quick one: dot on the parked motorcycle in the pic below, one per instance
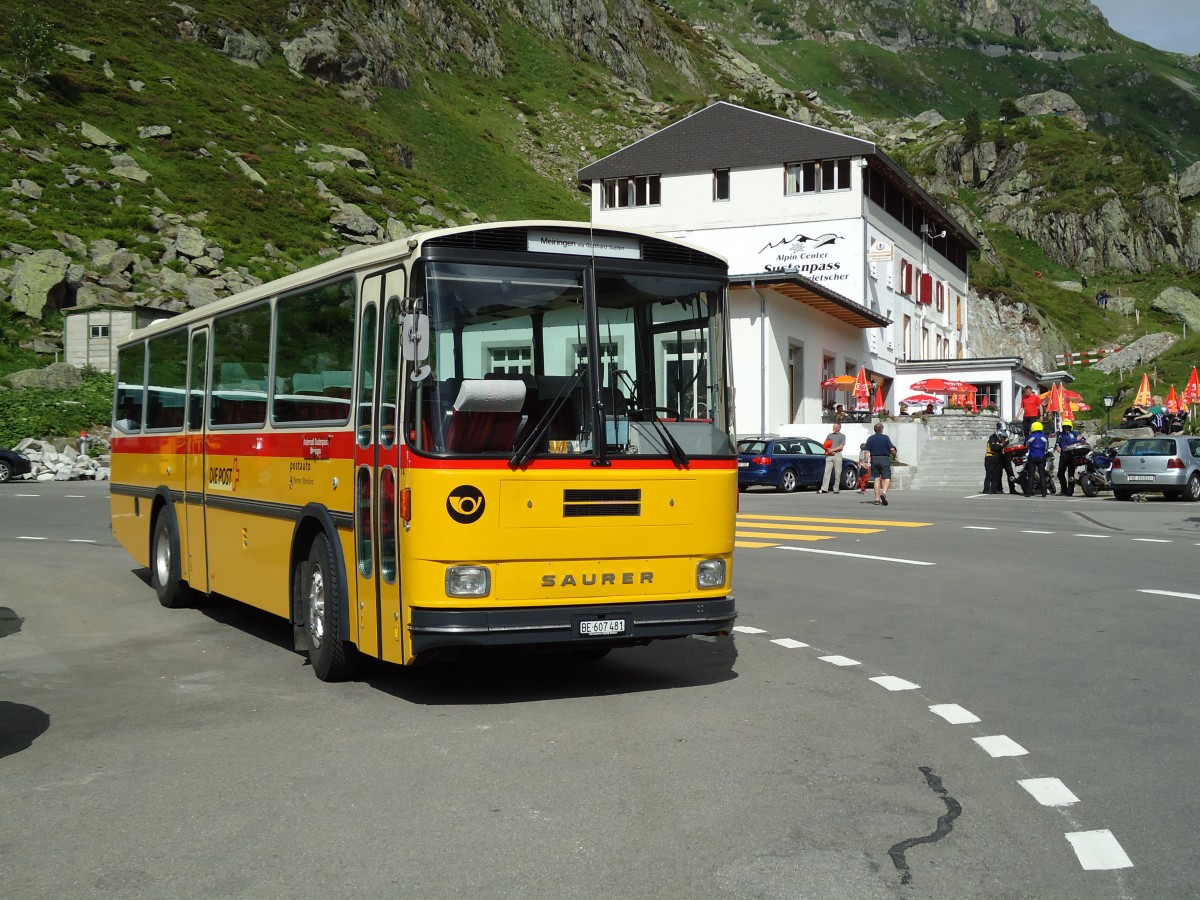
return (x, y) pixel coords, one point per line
(1096, 476)
(1019, 456)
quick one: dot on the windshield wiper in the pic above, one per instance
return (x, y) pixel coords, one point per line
(672, 446)
(521, 456)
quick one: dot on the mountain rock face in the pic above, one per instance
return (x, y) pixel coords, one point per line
(363, 50)
(1000, 328)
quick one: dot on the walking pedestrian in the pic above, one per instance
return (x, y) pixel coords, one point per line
(835, 443)
(881, 451)
(1031, 408)
(1035, 465)
(864, 468)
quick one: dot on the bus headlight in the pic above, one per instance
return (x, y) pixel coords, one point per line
(468, 581)
(710, 573)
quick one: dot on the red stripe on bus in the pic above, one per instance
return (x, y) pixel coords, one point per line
(340, 445)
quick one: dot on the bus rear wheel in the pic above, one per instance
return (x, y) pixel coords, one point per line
(321, 600)
(164, 563)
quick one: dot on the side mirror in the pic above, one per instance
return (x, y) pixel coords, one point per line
(415, 339)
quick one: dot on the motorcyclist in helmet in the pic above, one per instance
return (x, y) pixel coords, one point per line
(1067, 437)
(1035, 466)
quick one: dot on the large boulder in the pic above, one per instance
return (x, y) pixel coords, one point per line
(56, 376)
(1189, 182)
(1054, 103)
(39, 278)
(1181, 305)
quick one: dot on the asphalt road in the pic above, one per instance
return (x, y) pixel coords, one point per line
(190, 753)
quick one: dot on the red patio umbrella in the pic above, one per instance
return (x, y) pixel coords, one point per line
(1064, 393)
(944, 386)
(923, 400)
(1142, 398)
(879, 405)
(1172, 401)
(1191, 393)
(1055, 401)
(862, 390)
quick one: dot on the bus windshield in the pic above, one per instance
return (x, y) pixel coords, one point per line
(597, 362)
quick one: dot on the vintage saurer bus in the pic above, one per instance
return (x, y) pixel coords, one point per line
(502, 434)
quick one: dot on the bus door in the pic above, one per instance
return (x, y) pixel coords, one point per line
(194, 562)
(380, 626)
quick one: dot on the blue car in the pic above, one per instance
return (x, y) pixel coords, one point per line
(787, 463)
(13, 464)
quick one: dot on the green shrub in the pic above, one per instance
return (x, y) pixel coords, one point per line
(44, 414)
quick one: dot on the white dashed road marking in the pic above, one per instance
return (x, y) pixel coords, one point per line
(954, 714)
(1170, 594)
(1095, 850)
(892, 683)
(1049, 791)
(1152, 540)
(26, 537)
(1102, 536)
(1098, 850)
(1037, 532)
(979, 528)
(1000, 745)
(907, 562)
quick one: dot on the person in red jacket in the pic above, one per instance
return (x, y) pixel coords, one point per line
(1031, 408)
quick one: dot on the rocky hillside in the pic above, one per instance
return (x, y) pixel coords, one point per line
(169, 154)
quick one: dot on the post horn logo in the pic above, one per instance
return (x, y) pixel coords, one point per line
(465, 504)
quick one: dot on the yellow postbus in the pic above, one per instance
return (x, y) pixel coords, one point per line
(502, 434)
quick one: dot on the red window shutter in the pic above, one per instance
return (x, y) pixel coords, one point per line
(926, 295)
(906, 273)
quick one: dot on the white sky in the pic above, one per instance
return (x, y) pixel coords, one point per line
(1164, 24)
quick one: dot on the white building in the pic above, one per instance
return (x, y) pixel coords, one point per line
(91, 333)
(839, 260)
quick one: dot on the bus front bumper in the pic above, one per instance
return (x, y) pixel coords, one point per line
(612, 625)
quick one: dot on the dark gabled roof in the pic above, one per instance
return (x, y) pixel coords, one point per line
(724, 136)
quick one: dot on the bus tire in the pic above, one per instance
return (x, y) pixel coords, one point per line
(164, 562)
(321, 604)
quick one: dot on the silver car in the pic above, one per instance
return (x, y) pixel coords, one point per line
(1163, 464)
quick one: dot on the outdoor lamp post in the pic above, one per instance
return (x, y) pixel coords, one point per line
(1109, 400)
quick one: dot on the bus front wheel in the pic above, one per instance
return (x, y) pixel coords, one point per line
(331, 658)
(164, 563)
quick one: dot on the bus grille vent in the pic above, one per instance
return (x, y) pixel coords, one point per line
(591, 503)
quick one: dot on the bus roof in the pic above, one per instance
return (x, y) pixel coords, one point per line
(382, 255)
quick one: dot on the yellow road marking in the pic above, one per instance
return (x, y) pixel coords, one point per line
(753, 544)
(746, 517)
(837, 529)
(784, 535)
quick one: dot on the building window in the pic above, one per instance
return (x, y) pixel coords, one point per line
(99, 331)
(817, 175)
(720, 184)
(639, 190)
(510, 360)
